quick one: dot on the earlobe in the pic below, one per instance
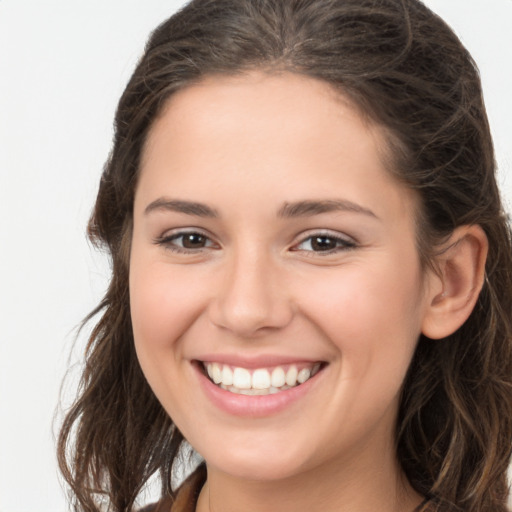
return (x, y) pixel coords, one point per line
(455, 289)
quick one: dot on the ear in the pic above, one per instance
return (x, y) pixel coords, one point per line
(454, 290)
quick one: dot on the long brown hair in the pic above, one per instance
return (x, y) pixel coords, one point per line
(405, 70)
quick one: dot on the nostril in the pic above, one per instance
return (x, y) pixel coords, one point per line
(250, 298)
(246, 320)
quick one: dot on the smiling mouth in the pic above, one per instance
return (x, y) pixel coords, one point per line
(259, 381)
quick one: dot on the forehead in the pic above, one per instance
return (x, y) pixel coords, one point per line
(220, 101)
(282, 132)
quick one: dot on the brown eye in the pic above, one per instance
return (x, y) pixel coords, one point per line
(323, 243)
(186, 242)
(193, 241)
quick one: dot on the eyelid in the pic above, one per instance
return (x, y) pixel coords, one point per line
(347, 242)
(344, 242)
(169, 236)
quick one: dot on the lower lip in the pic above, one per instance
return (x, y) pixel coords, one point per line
(256, 405)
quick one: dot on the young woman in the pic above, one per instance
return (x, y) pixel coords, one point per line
(311, 270)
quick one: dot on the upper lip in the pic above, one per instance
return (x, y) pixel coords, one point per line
(259, 361)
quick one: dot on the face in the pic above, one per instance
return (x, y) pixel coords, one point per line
(276, 290)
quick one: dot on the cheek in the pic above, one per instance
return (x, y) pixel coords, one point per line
(372, 313)
(372, 316)
(163, 303)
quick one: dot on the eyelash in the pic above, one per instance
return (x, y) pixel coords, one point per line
(341, 244)
(169, 242)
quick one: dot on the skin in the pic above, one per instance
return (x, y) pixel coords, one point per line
(245, 146)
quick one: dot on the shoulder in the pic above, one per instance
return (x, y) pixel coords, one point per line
(186, 496)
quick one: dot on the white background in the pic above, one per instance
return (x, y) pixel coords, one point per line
(63, 66)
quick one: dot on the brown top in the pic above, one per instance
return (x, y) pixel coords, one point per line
(188, 493)
(186, 497)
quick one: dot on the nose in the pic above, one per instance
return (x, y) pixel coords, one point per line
(251, 299)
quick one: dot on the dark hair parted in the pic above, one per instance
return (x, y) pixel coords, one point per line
(405, 70)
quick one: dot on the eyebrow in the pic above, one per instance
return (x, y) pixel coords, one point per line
(310, 208)
(288, 210)
(176, 205)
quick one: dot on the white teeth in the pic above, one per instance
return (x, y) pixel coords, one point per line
(254, 392)
(227, 376)
(241, 378)
(216, 373)
(278, 377)
(291, 375)
(261, 381)
(303, 375)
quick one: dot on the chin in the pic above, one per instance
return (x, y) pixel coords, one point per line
(257, 463)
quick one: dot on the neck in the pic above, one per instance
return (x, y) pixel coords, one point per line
(363, 484)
